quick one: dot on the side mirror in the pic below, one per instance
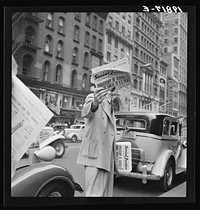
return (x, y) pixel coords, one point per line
(47, 153)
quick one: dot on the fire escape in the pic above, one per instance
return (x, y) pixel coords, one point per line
(24, 39)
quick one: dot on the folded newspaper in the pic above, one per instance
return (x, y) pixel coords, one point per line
(116, 74)
(124, 156)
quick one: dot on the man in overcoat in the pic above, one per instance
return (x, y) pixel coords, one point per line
(97, 151)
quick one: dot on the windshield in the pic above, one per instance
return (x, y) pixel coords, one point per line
(76, 127)
(138, 124)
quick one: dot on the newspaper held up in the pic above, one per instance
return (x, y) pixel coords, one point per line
(116, 74)
(124, 156)
(29, 116)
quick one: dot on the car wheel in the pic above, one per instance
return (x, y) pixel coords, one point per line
(56, 189)
(74, 138)
(59, 146)
(168, 178)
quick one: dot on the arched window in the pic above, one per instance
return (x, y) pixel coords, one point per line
(116, 105)
(27, 64)
(46, 70)
(61, 25)
(75, 55)
(60, 48)
(48, 44)
(86, 60)
(74, 79)
(58, 74)
(49, 21)
(84, 81)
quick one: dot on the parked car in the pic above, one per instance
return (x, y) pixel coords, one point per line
(35, 177)
(75, 132)
(59, 128)
(48, 137)
(158, 151)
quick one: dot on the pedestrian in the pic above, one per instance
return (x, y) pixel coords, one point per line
(97, 151)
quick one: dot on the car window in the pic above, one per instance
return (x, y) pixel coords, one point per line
(139, 124)
(75, 126)
(166, 127)
(174, 128)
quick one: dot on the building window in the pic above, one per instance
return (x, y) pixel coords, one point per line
(124, 15)
(165, 40)
(75, 55)
(93, 42)
(74, 79)
(27, 65)
(175, 49)
(101, 27)
(46, 70)
(58, 74)
(59, 49)
(117, 25)
(115, 58)
(49, 21)
(129, 19)
(116, 43)
(61, 25)
(87, 39)
(88, 19)
(123, 30)
(175, 39)
(77, 16)
(176, 21)
(76, 33)
(135, 83)
(110, 20)
(48, 44)
(109, 39)
(165, 49)
(94, 23)
(175, 30)
(100, 45)
(84, 81)
(86, 60)
(166, 32)
(122, 47)
(109, 56)
(128, 34)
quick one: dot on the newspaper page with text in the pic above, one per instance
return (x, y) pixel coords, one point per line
(29, 116)
(115, 74)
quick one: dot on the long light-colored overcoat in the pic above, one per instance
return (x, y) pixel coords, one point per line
(99, 135)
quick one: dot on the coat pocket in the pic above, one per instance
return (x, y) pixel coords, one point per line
(93, 148)
(90, 148)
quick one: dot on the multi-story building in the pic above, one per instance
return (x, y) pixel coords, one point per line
(119, 44)
(54, 53)
(175, 41)
(145, 61)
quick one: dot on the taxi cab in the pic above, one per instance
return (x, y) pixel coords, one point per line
(157, 149)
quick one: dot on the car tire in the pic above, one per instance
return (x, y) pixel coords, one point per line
(74, 138)
(168, 177)
(59, 146)
(56, 189)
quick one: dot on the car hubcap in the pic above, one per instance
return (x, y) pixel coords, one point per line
(59, 149)
(169, 176)
(55, 194)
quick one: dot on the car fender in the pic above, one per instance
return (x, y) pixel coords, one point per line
(28, 181)
(50, 140)
(71, 134)
(159, 166)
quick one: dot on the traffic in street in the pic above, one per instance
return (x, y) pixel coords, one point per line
(123, 186)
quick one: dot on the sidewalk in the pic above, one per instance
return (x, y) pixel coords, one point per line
(178, 191)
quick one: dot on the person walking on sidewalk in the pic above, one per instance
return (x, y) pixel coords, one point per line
(97, 151)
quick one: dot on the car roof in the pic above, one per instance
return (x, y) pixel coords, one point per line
(144, 113)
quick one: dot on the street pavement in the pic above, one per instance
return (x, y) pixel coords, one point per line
(178, 191)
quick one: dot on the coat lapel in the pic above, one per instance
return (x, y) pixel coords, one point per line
(106, 107)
